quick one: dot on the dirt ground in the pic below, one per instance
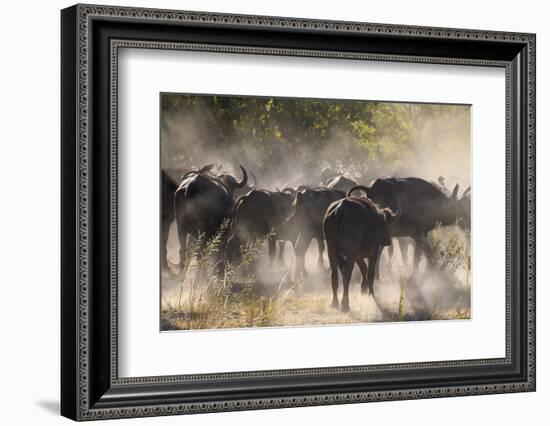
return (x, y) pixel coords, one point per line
(279, 298)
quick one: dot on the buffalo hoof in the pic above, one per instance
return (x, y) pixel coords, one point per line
(365, 290)
(335, 304)
(345, 307)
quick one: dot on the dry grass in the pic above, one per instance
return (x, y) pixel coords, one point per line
(254, 293)
(206, 300)
(449, 248)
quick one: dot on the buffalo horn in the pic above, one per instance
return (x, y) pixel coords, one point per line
(255, 184)
(356, 188)
(454, 195)
(244, 180)
(290, 190)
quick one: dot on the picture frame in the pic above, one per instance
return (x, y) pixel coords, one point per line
(91, 37)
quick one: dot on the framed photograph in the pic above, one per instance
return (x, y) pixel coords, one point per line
(263, 212)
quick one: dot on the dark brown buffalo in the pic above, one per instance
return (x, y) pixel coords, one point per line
(355, 230)
(259, 213)
(305, 222)
(421, 205)
(202, 203)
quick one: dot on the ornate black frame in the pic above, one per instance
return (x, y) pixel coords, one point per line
(91, 37)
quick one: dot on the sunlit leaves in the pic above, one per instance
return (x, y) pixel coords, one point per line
(346, 131)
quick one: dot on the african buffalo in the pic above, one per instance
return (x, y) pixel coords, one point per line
(202, 203)
(355, 230)
(305, 221)
(421, 205)
(259, 213)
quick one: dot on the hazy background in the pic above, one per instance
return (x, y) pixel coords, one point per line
(281, 138)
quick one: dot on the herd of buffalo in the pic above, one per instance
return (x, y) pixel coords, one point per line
(354, 221)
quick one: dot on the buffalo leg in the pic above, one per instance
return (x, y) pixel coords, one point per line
(332, 258)
(376, 268)
(282, 251)
(421, 244)
(334, 284)
(321, 246)
(220, 256)
(425, 247)
(347, 268)
(271, 248)
(164, 242)
(416, 260)
(364, 270)
(300, 251)
(373, 259)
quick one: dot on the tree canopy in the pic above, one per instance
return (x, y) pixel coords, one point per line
(273, 132)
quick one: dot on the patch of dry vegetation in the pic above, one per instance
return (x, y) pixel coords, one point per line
(207, 300)
(237, 298)
(449, 248)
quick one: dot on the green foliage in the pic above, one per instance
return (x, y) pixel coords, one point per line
(385, 132)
